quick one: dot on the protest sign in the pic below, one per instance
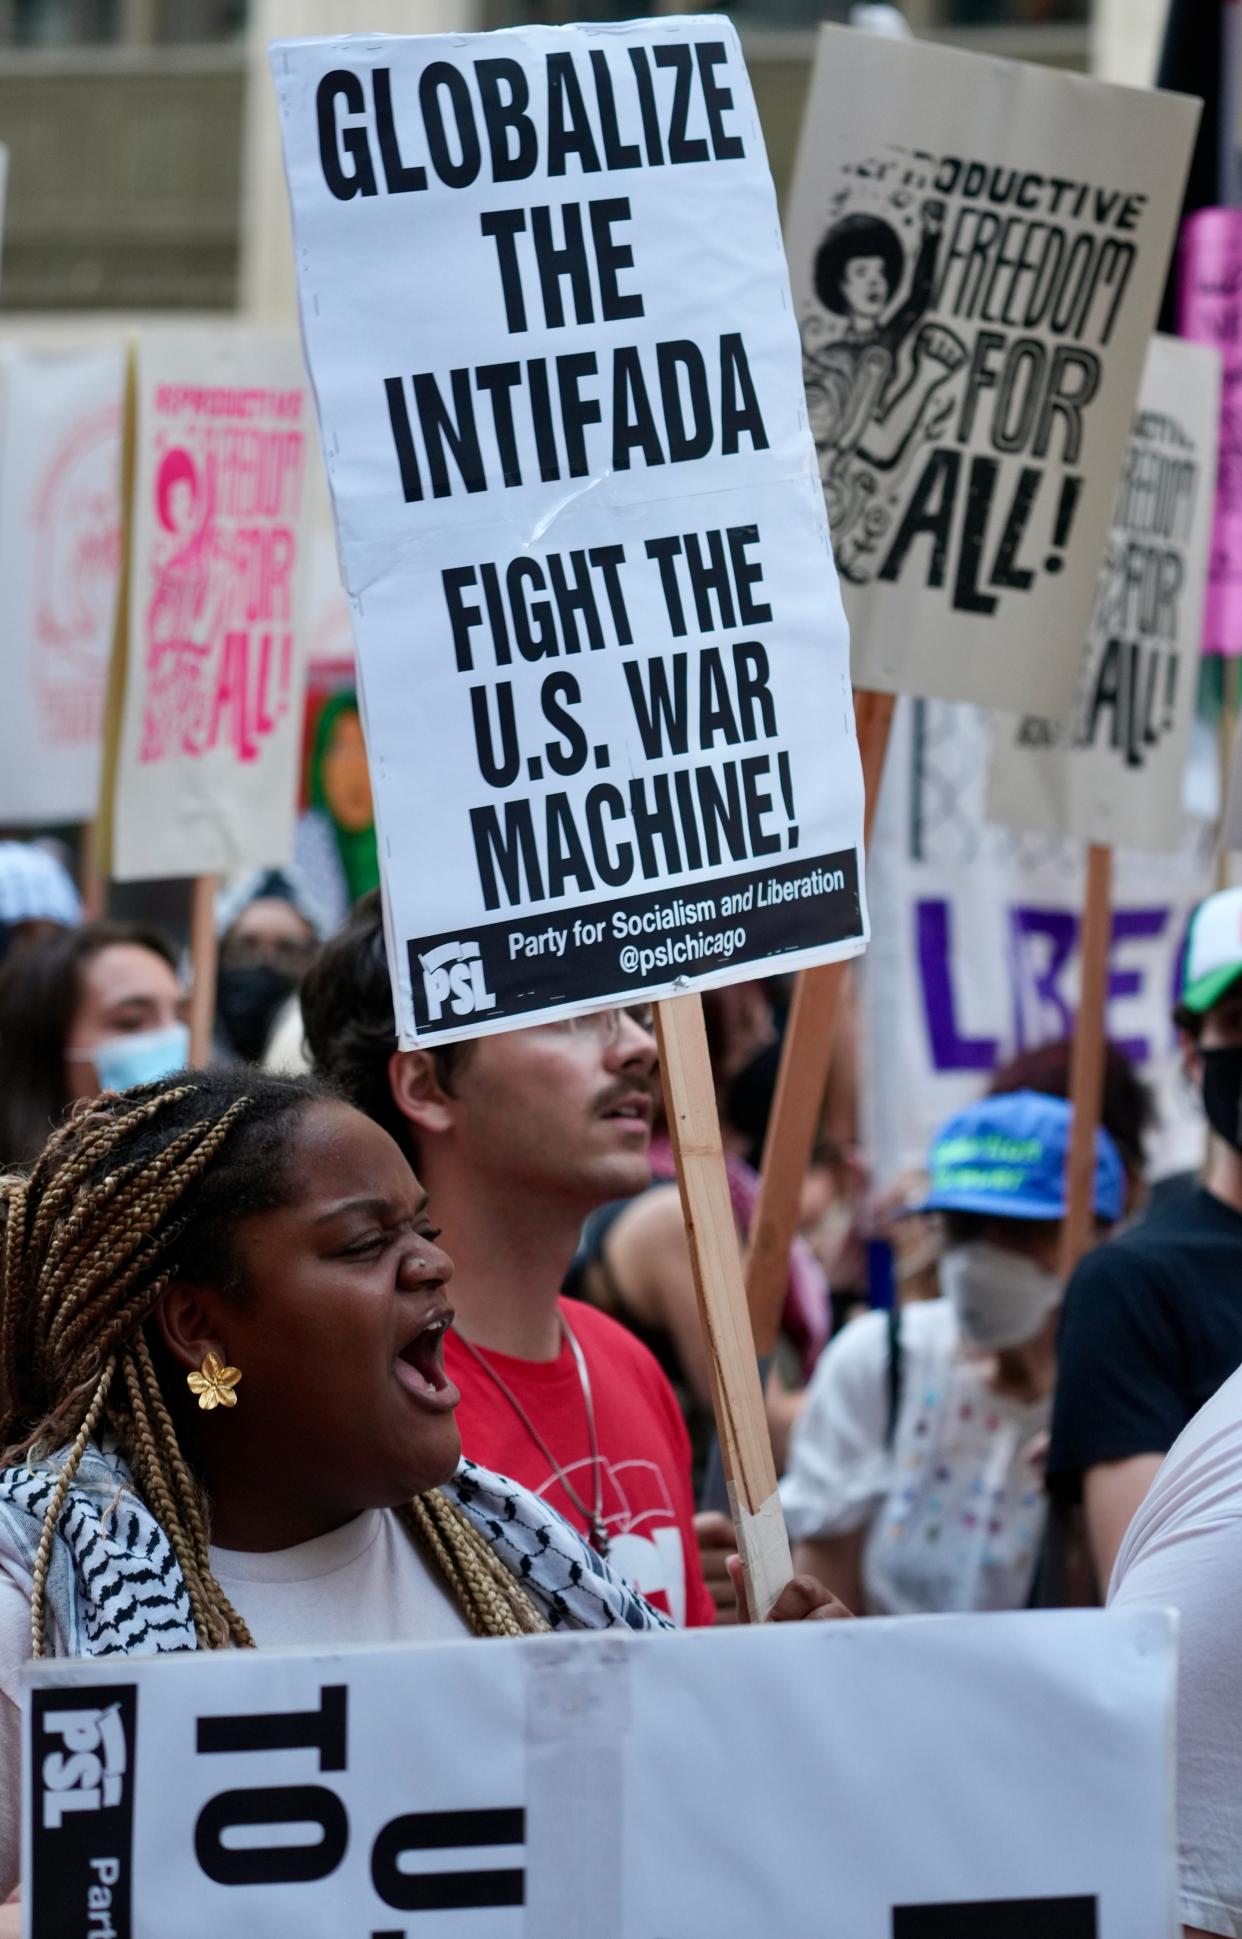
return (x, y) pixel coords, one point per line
(1210, 272)
(201, 770)
(517, 1788)
(60, 546)
(977, 250)
(977, 947)
(1114, 774)
(601, 648)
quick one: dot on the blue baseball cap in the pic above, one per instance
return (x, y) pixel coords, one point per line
(1006, 1157)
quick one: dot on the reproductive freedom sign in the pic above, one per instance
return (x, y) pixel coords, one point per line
(601, 647)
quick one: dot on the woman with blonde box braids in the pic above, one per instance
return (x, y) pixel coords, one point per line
(224, 1414)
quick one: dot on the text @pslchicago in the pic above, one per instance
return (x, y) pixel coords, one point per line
(639, 944)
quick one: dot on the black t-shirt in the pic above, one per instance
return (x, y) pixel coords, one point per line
(1151, 1327)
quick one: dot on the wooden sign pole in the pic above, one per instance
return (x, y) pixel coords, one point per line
(1087, 1063)
(204, 955)
(741, 1420)
(806, 1057)
(1230, 687)
(94, 885)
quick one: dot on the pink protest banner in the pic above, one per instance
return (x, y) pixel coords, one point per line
(60, 545)
(1210, 276)
(202, 778)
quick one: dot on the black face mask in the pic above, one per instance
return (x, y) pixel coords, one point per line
(247, 999)
(1222, 1092)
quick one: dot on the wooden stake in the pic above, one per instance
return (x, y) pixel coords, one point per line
(1087, 1063)
(741, 1420)
(806, 1059)
(1230, 681)
(203, 958)
(94, 886)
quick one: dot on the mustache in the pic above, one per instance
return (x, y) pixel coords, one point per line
(636, 1086)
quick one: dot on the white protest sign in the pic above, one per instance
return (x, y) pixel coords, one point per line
(977, 249)
(60, 557)
(1115, 773)
(207, 756)
(522, 1788)
(977, 947)
(601, 648)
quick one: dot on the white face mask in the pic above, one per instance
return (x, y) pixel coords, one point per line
(1001, 1299)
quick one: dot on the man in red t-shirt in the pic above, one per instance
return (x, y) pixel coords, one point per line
(516, 1137)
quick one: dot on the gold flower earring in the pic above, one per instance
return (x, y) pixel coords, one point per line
(214, 1385)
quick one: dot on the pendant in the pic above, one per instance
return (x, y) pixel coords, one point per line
(598, 1536)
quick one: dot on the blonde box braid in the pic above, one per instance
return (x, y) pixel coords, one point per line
(89, 1246)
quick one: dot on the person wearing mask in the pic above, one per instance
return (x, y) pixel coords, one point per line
(1153, 1321)
(269, 932)
(1183, 1551)
(915, 1477)
(173, 1477)
(97, 1008)
(517, 1136)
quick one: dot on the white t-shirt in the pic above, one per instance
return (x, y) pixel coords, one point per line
(1183, 1550)
(364, 1583)
(955, 1508)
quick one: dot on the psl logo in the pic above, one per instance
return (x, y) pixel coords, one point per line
(453, 974)
(88, 1774)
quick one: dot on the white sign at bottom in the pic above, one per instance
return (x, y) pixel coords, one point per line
(981, 1777)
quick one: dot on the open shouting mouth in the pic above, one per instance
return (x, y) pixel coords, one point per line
(419, 1365)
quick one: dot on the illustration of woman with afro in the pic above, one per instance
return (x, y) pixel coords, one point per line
(866, 402)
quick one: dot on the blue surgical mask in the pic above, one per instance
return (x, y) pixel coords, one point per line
(141, 1057)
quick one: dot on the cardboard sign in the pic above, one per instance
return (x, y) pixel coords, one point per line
(601, 648)
(203, 768)
(1114, 774)
(60, 559)
(551, 1787)
(977, 250)
(978, 947)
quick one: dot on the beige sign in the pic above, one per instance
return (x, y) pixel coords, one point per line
(1114, 774)
(207, 733)
(977, 249)
(60, 547)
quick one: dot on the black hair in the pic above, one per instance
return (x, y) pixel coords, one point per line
(1127, 1108)
(960, 1228)
(40, 990)
(851, 237)
(349, 1026)
(250, 1175)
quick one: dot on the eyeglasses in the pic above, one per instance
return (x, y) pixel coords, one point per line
(606, 1025)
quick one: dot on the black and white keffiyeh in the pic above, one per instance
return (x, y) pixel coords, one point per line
(114, 1587)
(572, 1586)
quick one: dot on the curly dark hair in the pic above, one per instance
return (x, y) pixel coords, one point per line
(851, 237)
(348, 1021)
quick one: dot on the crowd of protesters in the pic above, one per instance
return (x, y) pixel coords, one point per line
(478, 1254)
